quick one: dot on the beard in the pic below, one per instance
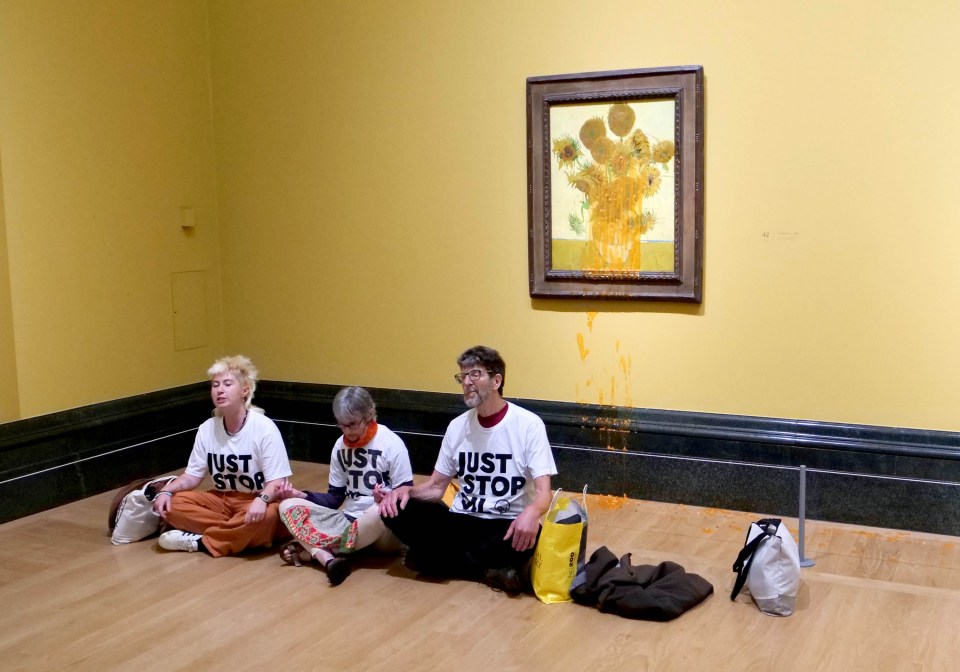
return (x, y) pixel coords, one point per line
(472, 399)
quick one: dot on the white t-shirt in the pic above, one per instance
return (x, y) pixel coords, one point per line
(496, 466)
(242, 463)
(384, 460)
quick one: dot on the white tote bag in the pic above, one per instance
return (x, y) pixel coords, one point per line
(769, 565)
(135, 518)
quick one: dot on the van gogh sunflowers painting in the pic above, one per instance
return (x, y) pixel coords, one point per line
(613, 186)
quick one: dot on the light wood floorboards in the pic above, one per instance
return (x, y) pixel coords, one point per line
(876, 600)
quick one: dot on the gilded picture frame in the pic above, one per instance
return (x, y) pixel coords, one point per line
(615, 184)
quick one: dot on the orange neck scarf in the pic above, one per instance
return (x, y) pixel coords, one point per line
(363, 440)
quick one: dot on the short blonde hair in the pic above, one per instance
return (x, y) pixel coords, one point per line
(242, 369)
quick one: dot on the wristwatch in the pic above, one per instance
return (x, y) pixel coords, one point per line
(264, 498)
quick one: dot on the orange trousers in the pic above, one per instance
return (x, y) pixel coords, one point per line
(218, 516)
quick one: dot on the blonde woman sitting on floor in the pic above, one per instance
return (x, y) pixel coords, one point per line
(243, 453)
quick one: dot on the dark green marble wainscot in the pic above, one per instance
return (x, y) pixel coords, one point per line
(59, 458)
(878, 476)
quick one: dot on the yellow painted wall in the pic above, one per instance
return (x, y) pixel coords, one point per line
(9, 394)
(105, 133)
(360, 168)
(372, 173)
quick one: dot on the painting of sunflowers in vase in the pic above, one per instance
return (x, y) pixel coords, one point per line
(613, 176)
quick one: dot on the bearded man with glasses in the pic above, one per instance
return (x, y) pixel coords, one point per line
(500, 456)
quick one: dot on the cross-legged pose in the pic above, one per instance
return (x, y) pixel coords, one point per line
(500, 455)
(367, 458)
(243, 453)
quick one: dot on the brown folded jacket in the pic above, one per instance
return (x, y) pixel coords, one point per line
(647, 592)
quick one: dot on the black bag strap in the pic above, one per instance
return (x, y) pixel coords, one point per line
(744, 561)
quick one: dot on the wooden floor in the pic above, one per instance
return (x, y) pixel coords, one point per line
(876, 600)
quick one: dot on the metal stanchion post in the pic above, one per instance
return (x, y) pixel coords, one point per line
(804, 562)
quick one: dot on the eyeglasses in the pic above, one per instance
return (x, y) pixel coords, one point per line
(476, 374)
(351, 425)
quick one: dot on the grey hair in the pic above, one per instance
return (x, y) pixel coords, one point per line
(488, 358)
(352, 402)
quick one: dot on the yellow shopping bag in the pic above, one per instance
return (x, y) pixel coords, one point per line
(561, 549)
(450, 493)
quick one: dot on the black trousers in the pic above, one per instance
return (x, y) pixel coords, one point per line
(455, 545)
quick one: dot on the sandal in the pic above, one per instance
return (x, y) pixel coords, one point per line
(294, 554)
(338, 570)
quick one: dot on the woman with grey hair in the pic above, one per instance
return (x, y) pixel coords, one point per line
(366, 459)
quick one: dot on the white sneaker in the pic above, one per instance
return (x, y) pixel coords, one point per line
(178, 540)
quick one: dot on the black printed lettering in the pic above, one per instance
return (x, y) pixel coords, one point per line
(466, 484)
(374, 455)
(500, 485)
(494, 462)
(467, 462)
(517, 484)
(482, 482)
(486, 463)
(229, 472)
(371, 479)
(474, 504)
